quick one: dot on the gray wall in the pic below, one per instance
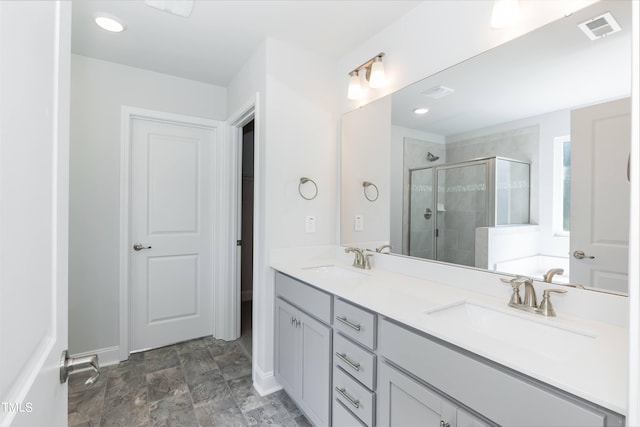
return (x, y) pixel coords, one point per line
(98, 91)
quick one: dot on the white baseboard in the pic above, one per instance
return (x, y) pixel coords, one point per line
(264, 383)
(106, 356)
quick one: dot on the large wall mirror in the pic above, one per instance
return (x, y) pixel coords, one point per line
(519, 165)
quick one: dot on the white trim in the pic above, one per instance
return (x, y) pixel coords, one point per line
(126, 115)
(250, 110)
(558, 187)
(633, 410)
(265, 383)
(226, 318)
(106, 356)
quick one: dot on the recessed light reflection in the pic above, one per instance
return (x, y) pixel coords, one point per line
(421, 110)
(109, 24)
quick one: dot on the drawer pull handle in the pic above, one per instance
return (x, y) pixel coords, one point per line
(343, 357)
(343, 393)
(346, 322)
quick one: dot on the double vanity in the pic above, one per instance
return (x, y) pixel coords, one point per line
(357, 347)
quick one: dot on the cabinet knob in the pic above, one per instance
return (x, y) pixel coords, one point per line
(443, 424)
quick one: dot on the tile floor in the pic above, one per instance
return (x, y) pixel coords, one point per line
(202, 382)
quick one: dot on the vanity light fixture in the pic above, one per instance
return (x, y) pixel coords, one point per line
(505, 13)
(355, 88)
(374, 73)
(109, 23)
(421, 110)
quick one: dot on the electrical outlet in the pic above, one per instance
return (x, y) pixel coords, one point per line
(310, 224)
(358, 223)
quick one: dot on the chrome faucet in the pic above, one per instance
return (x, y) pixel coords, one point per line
(379, 249)
(530, 303)
(548, 276)
(361, 260)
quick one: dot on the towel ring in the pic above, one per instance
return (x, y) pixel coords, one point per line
(367, 184)
(304, 180)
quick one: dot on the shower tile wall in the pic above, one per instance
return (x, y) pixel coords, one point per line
(463, 192)
(422, 225)
(520, 144)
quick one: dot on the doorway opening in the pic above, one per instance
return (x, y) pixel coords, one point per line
(246, 230)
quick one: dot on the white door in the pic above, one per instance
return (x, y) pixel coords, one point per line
(172, 219)
(600, 192)
(34, 172)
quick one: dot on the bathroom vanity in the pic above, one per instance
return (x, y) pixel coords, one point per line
(376, 348)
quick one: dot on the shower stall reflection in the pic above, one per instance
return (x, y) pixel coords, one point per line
(447, 203)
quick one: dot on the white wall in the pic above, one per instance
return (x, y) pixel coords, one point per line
(366, 133)
(296, 137)
(98, 90)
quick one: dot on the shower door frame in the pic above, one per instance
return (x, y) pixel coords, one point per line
(489, 162)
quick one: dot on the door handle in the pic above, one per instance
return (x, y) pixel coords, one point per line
(140, 246)
(69, 364)
(581, 255)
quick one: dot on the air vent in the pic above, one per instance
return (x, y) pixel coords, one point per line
(438, 92)
(600, 26)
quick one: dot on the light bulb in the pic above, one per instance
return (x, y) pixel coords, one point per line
(377, 78)
(355, 88)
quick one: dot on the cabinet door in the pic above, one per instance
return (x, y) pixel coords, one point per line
(287, 361)
(316, 368)
(402, 401)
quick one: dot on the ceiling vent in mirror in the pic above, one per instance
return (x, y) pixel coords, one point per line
(600, 26)
(438, 92)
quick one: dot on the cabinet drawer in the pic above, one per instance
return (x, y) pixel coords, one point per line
(342, 417)
(355, 322)
(355, 360)
(307, 298)
(354, 396)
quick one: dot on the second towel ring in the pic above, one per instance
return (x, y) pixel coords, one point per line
(367, 184)
(304, 180)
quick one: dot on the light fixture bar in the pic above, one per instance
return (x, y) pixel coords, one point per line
(374, 73)
(368, 64)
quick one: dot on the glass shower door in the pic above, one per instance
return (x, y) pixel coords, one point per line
(462, 205)
(421, 213)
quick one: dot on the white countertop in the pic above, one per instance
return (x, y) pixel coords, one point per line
(595, 370)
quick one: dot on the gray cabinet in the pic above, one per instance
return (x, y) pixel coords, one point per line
(303, 354)
(503, 396)
(406, 402)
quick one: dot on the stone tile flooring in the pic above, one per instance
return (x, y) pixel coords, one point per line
(202, 382)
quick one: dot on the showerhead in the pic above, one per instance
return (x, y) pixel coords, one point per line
(431, 157)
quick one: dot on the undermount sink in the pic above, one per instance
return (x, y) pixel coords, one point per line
(335, 272)
(532, 334)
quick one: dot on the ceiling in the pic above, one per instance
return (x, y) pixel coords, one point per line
(214, 42)
(553, 68)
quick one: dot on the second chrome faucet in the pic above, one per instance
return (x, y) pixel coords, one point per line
(360, 259)
(530, 302)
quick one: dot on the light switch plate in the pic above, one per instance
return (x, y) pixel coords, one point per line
(358, 223)
(310, 224)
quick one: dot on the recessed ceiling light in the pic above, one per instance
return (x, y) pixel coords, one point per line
(109, 23)
(421, 110)
(438, 92)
